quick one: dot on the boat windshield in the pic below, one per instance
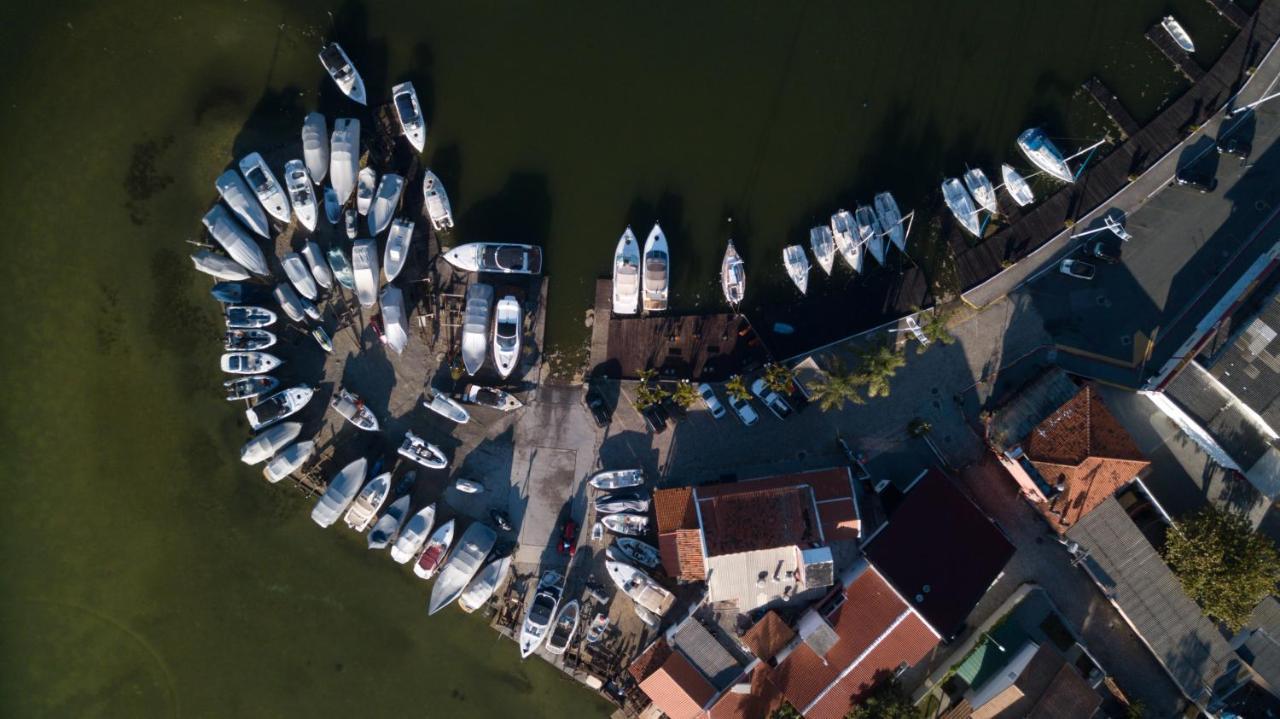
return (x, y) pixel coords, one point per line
(507, 330)
(540, 612)
(258, 179)
(406, 107)
(509, 258)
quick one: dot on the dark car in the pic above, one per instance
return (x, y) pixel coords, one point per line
(655, 417)
(1196, 179)
(568, 543)
(1236, 146)
(1105, 251)
(599, 408)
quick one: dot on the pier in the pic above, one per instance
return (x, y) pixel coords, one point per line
(1230, 11)
(1112, 106)
(1180, 58)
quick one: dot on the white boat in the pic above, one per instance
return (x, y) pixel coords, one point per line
(319, 268)
(507, 328)
(239, 244)
(1042, 153)
(397, 251)
(563, 628)
(289, 302)
(596, 631)
(249, 362)
(366, 506)
(385, 203)
(638, 552)
(341, 490)
(219, 266)
(341, 267)
(823, 246)
(322, 338)
(491, 397)
(961, 205)
(475, 326)
(496, 257)
(980, 188)
(463, 563)
(657, 271)
(432, 555)
(1178, 33)
(436, 200)
(395, 320)
(733, 276)
(302, 194)
(484, 584)
(233, 190)
(248, 340)
(621, 502)
(846, 239)
(349, 222)
(354, 410)
(282, 404)
(344, 157)
(248, 317)
(409, 113)
(267, 443)
(366, 186)
(868, 232)
(332, 208)
(249, 387)
(1016, 185)
(537, 618)
(315, 146)
(309, 308)
(889, 220)
(445, 406)
(343, 71)
(617, 479)
(295, 268)
(364, 268)
(388, 525)
(288, 460)
(638, 585)
(797, 263)
(414, 534)
(417, 449)
(634, 525)
(265, 185)
(468, 486)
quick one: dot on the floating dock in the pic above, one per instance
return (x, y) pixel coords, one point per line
(1180, 58)
(1112, 106)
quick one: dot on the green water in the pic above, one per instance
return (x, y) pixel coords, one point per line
(149, 573)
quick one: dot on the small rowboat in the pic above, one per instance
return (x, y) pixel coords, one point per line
(367, 504)
(250, 387)
(414, 534)
(563, 628)
(432, 555)
(797, 264)
(823, 246)
(617, 479)
(445, 406)
(634, 551)
(1016, 185)
(733, 276)
(628, 524)
(1178, 33)
(353, 409)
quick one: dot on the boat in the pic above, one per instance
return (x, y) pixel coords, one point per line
(1178, 33)
(302, 194)
(797, 263)
(463, 563)
(248, 339)
(289, 301)
(344, 157)
(651, 620)
(288, 460)
(239, 244)
(265, 185)
(433, 553)
(638, 585)
(637, 552)
(285, 403)
(889, 220)
(657, 270)
(394, 318)
(626, 275)
(491, 397)
(353, 409)
(219, 266)
(349, 222)
(445, 406)
(413, 534)
(733, 276)
(385, 203)
(596, 631)
(332, 208)
(364, 268)
(563, 628)
(622, 502)
(388, 525)
(617, 479)
(507, 327)
(419, 450)
(1016, 185)
(341, 490)
(397, 251)
(265, 444)
(436, 200)
(295, 268)
(322, 338)
(629, 524)
(366, 185)
(233, 190)
(315, 261)
(249, 362)
(842, 230)
(475, 326)
(315, 146)
(597, 532)
(249, 317)
(409, 113)
(496, 257)
(823, 246)
(343, 71)
(309, 308)
(537, 618)
(341, 267)
(1042, 153)
(961, 205)
(236, 293)
(249, 387)
(484, 584)
(980, 188)
(468, 486)
(868, 231)
(371, 499)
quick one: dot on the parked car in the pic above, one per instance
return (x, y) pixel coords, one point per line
(1078, 269)
(709, 399)
(1195, 179)
(1237, 146)
(568, 543)
(1104, 251)
(771, 399)
(742, 408)
(655, 418)
(599, 408)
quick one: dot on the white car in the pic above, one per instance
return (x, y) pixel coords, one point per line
(776, 404)
(709, 399)
(743, 409)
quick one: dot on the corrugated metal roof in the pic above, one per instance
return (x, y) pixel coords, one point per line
(1250, 365)
(705, 652)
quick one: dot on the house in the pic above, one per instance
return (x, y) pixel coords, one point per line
(1258, 644)
(684, 671)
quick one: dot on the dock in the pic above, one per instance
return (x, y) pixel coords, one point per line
(1230, 11)
(1111, 105)
(1180, 58)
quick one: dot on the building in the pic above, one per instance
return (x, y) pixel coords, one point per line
(687, 669)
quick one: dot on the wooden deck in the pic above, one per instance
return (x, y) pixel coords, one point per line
(1111, 105)
(1232, 12)
(1180, 58)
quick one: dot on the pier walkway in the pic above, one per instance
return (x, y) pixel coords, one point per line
(1111, 105)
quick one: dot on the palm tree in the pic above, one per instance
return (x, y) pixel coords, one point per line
(778, 378)
(685, 394)
(836, 387)
(648, 393)
(735, 387)
(877, 366)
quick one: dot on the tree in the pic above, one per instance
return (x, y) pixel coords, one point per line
(886, 701)
(685, 394)
(735, 387)
(778, 378)
(934, 327)
(786, 711)
(877, 366)
(836, 387)
(1223, 564)
(648, 393)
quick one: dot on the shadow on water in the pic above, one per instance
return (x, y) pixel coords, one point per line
(350, 28)
(274, 122)
(447, 164)
(519, 212)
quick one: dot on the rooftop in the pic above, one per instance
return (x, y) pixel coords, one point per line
(1250, 366)
(768, 636)
(1261, 649)
(754, 696)
(677, 688)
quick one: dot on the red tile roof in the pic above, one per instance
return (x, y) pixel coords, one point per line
(673, 509)
(760, 702)
(908, 643)
(649, 660)
(768, 636)
(747, 521)
(678, 688)
(681, 554)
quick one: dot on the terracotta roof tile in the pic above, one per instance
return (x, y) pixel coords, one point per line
(760, 702)
(649, 660)
(677, 688)
(768, 636)
(681, 554)
(1068, 696)
(909, 642)
(748, 521)
(674, 509)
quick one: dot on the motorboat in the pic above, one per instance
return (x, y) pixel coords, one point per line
(249, 317)
(237, 293)
(309, 309)
(343, 71)
(409, 113)
(445, 406)
(617, 479)
(265, 444)
(537, 618)
(475, 326)
(344, 157)
(414, 534)
(657, 271)
(868, 231)
(219, 266)
(889, 220)
(797, 263)
(395, 321)
(302, 194)
(484, 584)
(468, 486)
(845, 235)
(419, 450)
(634, 525)
(651, 620)
(563, 628)
(315, 146)
(249, 362)
(1042, 153)
(626, 274)
(249, 387)
(463, 563)
(239, 244)
(349, 222)
(342, 271)
(282, 404)
(289, 302)
(248, 340)
(315, 261)
(433, 553)
(733, 276)
(638, 585)
(397, 251)
(295, 268)
(340, 492)
(496, 257)
(1178, 33)
(507, 328)
(597, 629)
(265, 185)
(637, 552)
(288, 460)
(233, 190)
(622, 502)
(354, 410)
(436, 200)
(388, 525)
(332, 208)
(975, 180)
(823, 246)
(1016, 185)
(364, 268)
(322, 338)
(491, 397)
(366, 506)
(961, 205)
(385, 203)
(366, 186)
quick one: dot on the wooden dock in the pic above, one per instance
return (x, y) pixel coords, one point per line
(1111, 105)
(1180, 58)
(1230, 11)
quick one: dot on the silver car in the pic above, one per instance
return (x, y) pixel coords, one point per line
(711, 401)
